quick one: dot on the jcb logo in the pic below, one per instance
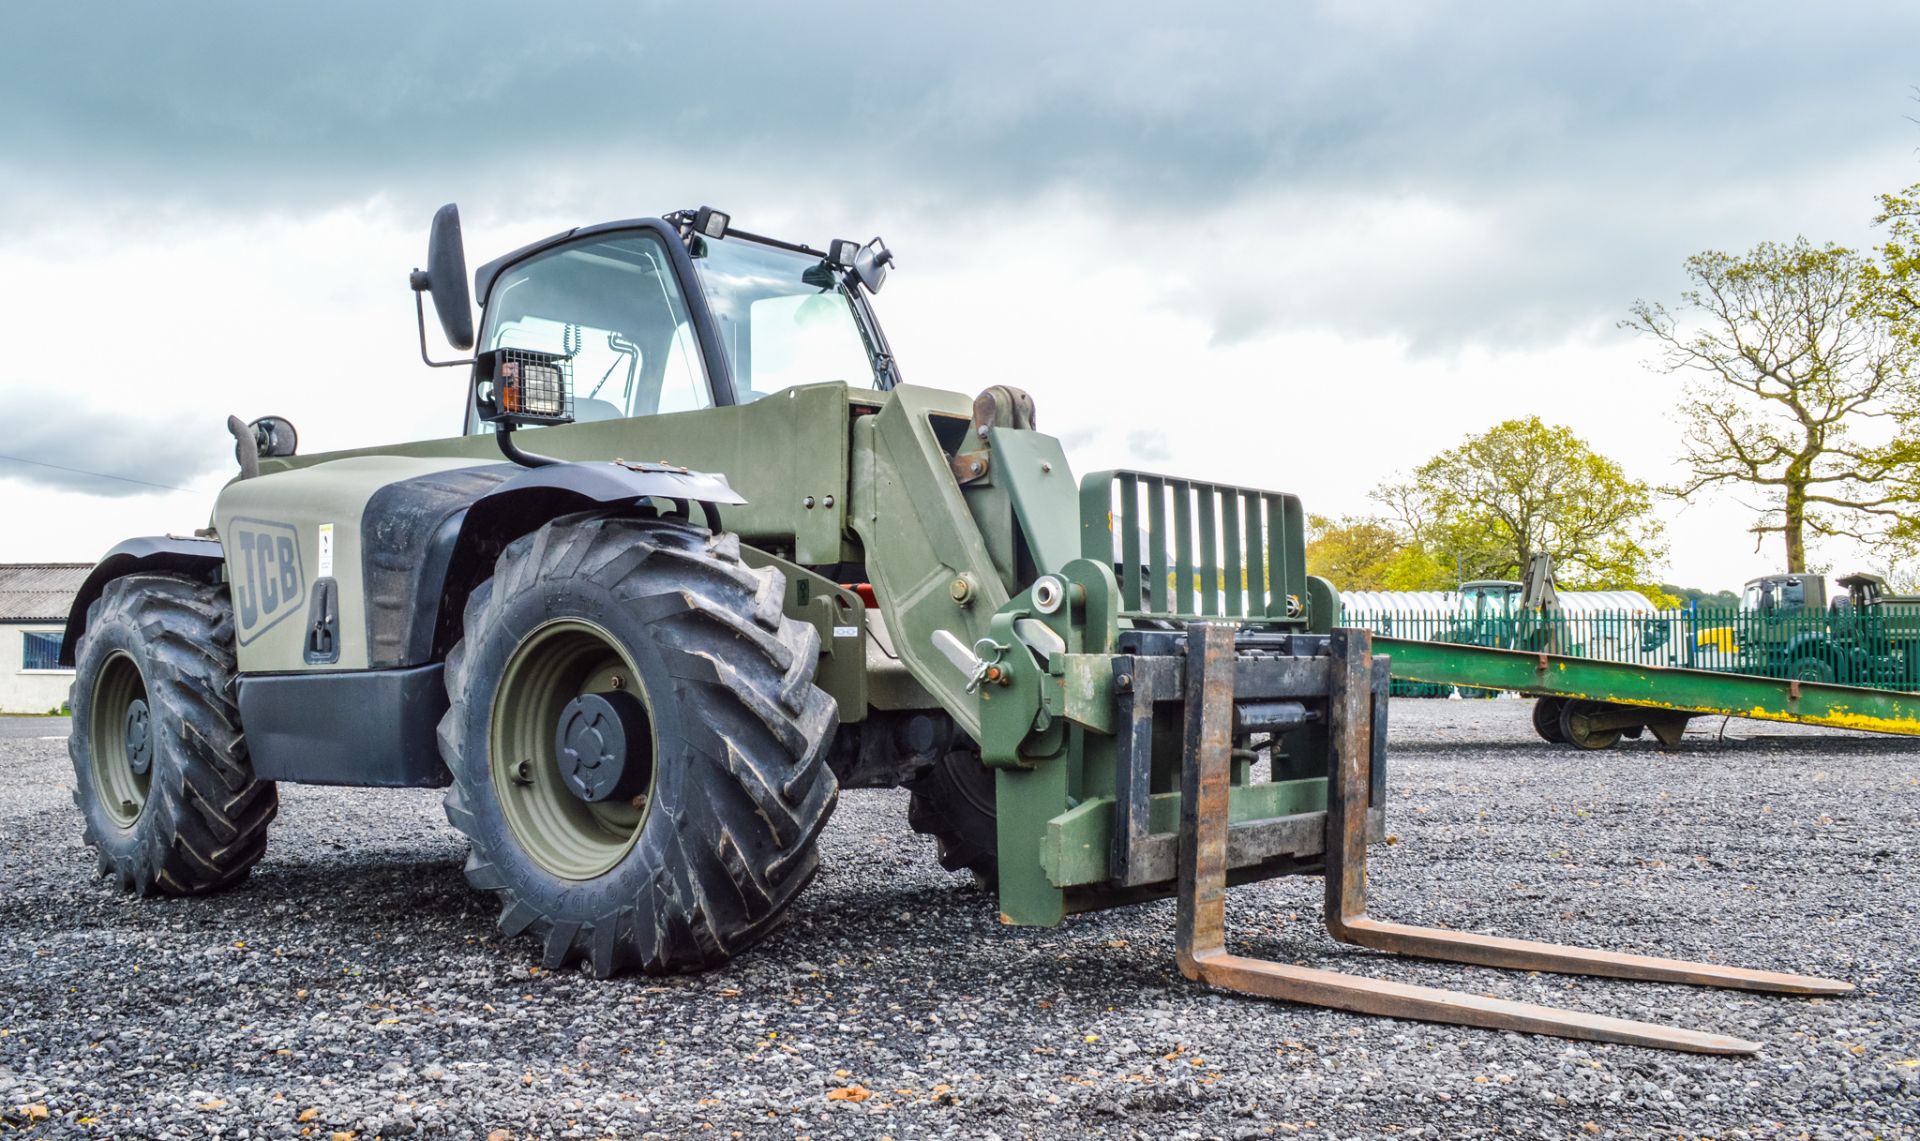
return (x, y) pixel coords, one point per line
(269, 583)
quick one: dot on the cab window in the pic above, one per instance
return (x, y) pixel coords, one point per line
(612, 306)
(783, 317)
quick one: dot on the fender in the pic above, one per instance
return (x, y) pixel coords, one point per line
(440, 536)
(608, 483)
(201, 558)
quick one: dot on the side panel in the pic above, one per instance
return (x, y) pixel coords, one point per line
(370, 728)
(285, 531)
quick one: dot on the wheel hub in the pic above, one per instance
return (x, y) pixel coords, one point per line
(603, 745)
(139, 730)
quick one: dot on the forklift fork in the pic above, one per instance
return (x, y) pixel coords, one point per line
(1201, 935)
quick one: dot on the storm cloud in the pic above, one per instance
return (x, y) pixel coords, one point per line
(1446, 174)
(48, 442)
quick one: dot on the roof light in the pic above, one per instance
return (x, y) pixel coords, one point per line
(841, 252)
(711, 222)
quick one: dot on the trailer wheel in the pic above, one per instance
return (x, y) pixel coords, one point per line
(1546, 719)
(954, 804)
(637, 746)
(163, 779)
(1577, 725)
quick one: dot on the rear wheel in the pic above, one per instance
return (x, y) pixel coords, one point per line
(953, 803)
(1546, 719)
(637, 746)
(163, 779)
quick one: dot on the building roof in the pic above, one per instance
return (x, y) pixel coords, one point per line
(39, 592)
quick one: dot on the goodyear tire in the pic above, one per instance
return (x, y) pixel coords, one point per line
(164, 782)
(710, 829)
(953, 803)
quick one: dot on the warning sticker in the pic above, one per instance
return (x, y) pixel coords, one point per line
(326, 550)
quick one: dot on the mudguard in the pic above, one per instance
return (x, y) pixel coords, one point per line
(430, 540)
(184, 554)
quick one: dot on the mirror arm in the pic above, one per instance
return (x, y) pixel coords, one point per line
(418, 280)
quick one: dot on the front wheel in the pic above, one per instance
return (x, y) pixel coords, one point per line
(637, 746)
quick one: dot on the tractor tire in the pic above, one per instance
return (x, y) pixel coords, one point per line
(1576, 725)
(712, 829)
(164, 782)
(954, 804)
(1546, 719)
(1811, 669)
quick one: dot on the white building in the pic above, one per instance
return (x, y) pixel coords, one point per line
(34, 599)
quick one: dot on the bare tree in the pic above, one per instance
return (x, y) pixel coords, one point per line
(1785, 363)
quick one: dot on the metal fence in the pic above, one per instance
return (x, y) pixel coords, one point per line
(1877, 647)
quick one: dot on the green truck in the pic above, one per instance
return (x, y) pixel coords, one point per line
(1786, 628)
(701, 558)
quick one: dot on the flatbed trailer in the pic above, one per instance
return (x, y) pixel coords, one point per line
(1591, 703)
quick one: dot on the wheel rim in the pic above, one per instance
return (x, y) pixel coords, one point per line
(120, 739)
(552, 665)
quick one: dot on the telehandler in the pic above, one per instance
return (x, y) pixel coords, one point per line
(699, 558)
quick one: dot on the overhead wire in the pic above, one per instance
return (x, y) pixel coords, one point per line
(95, 473)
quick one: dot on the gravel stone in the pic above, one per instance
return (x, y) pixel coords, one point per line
(354, 985)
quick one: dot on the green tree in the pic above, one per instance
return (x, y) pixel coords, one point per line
(1893, 284)
(1788, 352)
(1370, 553)
(1705, 599)
(1522, 487)
(1893, 293)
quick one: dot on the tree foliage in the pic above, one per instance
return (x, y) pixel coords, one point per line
(1788, 351)
(1370, 553)
(1522, 487)
(1893, 285)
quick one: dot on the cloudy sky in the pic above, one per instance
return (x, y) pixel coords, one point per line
(1300, 246)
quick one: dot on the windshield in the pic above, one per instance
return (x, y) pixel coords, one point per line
(783, 317)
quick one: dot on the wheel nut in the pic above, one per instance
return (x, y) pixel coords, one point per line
(618, 682)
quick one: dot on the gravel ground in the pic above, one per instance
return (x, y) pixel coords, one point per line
(354, 986)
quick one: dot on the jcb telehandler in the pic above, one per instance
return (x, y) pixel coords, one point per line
(699, 558)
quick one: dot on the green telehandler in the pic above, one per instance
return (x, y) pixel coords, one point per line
(700, 558)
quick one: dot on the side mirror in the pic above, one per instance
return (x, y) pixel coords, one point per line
(274, 436)
(446, 278)
(870, 265)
